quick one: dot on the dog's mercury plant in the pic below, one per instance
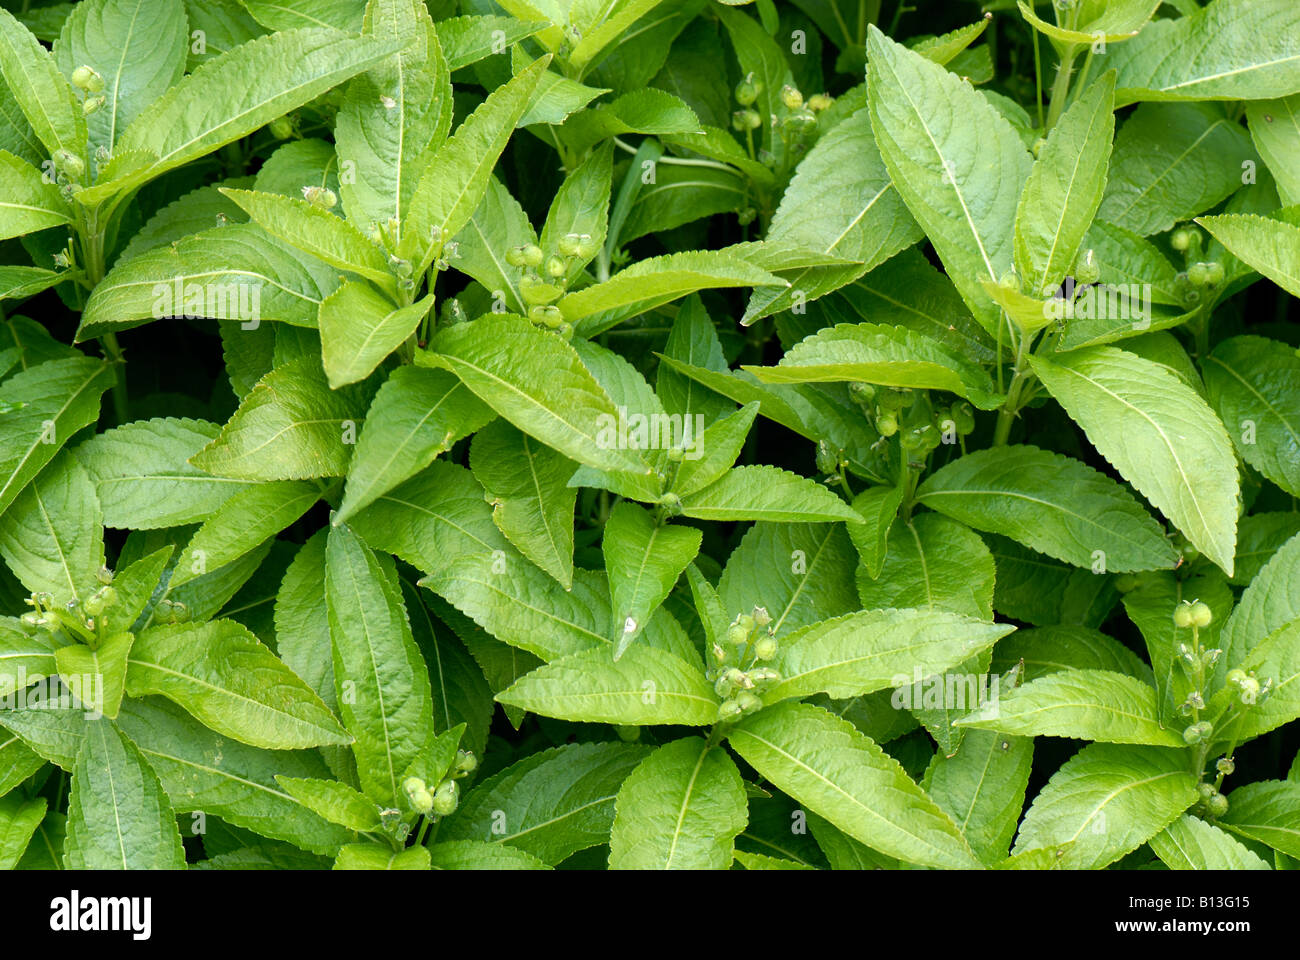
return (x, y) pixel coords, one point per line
(649, 434)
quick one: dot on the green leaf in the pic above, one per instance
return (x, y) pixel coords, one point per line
(537, 382)
(19, 283)
(235, 272)
(982, 787)
(40, 90)
(825, 763)
(1275, 129)
(386, 147)
(359, 328)
(24, 658)
(840, 202)
(581, 206)
(231, 682)
(1276, 658)
(760, 492)
(28, 202)
(474, 855)
(1044, 650)
(456, 177)
(19, 819)
(143, 477)
(417, 414)
(315, 231)
(467, 40)
(527, 484)
(875, 353)
(1228, 50)
(650, 283)
(1064, 188)
(333, 801)
(374, 856)
(1248, 382)
(230, 96)
(202, 770)
(291, 426)
(714, 451)
(550, 804)
(302, 623)
(933, 562)
(645, 686)
(46, 405)
(96, 677)
(1159, 434)
(380, 679)
(1172, 161)
(1190, 843)
(1051, 503)
(1268, 812)
(859, 653)
(680, 809)
(246, 520)
(962, 181)
(644, 560)
(290, 14)
(52, 535)
(1269, 603)
(499, 223)
(138, 48)
(1269, 246)
(118, 816)
(879, 509)
(1082, 704)
(1112, 21)
(1106, 800)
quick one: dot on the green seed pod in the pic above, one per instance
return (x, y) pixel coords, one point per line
(761, 617)
(104, 575)
(548, 316)
(1201, 614)
(819, 102)
(676, 454)
(322, 197)
(421, 801)
(1206, 790)
(91, 104)
(71, 165)
(1183, 615)
(515, 256)
(466, 762)
(747, 90)
(748, 702)
(570, 245)
(737, 634)
(729, 711)
(1214, 273)
(413, 784)
(627, 733)
(963, 415)
(532, 255)
(1225, 766)
(743, 120)
(1249, 691)
(1217, 805)
(555, 268)
(281, 128)
(887, 424)
(671, 504)
(765, 648)
(861, 393)
(1086, 270)
(1184, 238)
(1198, 732)
(791, 97)
(446, 798)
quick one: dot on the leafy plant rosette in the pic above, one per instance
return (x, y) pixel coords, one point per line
(804, 431)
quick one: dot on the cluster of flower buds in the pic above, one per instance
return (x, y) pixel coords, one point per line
(77, 621)
(91, 84)
(737, 671)
(443, 799)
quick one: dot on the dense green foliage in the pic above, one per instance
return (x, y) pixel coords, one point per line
(649, 434)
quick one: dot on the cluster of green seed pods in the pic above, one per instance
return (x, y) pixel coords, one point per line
(736, 670)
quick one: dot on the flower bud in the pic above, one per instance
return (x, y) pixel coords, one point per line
(761, 617)
(322, 197)
(1201, 614)
(791, 97)
(747, 90)
(281, 128)
(446, 798)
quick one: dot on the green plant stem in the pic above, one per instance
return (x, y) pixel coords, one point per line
(1061, 86)
(1012, 405)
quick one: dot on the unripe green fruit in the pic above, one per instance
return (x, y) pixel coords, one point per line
(414, 785)
(887, 424)
(1236, 677)
(555, 267)
(1183, 616)
(827, 460)
(532, 254)
(574, 244)
(671, 504)
(748, 702)
(791, 97)
(862, 393)
(729, 711)
(737, 634)
(1249, 691)
(548, 316)
(515, 256)
(1201, 614)
(1198, 732)
(1205, 274)
(747, 90)
(421, 801)
(743, 120)
(88, 79)
(628, 734)
(761, 617)
(1206, 790)
(819, 102)
(322, 197)
(1217, 805)
(765, 648)
(91, 104)
(466, 762)
(1182, 238)
(446, 798)
(1225, 767)
(963, 414)
(70, 164)
(281, 128)
(1126, 583)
